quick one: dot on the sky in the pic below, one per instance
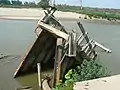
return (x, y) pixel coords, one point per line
(89, 3)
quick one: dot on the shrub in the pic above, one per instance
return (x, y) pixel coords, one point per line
(86, 71)
(85, 17)
(44, 4)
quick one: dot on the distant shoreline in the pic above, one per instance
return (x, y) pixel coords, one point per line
(62, 19)
(36, 14)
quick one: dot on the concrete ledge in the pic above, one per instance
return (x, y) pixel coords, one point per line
(106, 83)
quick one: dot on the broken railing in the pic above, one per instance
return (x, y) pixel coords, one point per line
(64, 48)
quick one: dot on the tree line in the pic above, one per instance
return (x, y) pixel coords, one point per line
(12, 2)
(9, 3)
(105, 13)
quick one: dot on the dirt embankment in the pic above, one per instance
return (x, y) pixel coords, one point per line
(34, 14)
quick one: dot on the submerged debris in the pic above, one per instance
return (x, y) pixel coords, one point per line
(58, 49)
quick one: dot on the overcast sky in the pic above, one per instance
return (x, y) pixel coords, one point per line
(89, 3)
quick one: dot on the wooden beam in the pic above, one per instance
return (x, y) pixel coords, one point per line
(39, 75)
(57, 64)
(45, 85)
(24, 57)
(83, 31)
(38, 31)
(102, 47)
(72, 45)
(82, 38)
(54, 31)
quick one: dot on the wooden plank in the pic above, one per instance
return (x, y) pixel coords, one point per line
(74, 43)
(83, 31)
(82, 38)
(102, 47)
(38, 31)
(45, 85)
(57, 64)
(70, 46)
(92, 49)
(31, 57)
(39, 75)
(54, 31)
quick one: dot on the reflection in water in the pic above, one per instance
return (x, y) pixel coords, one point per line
(8, 65)
(29, 80)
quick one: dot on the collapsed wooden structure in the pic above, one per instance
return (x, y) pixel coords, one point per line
(56, 47)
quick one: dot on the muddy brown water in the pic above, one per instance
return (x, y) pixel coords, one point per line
(17, 36)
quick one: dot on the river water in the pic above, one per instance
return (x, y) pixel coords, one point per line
(17, 36)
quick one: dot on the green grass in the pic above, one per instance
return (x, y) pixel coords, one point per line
(90, 12)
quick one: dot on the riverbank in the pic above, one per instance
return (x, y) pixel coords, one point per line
(38, 13)
(33, 14)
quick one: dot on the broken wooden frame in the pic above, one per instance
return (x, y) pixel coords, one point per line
(55, 44)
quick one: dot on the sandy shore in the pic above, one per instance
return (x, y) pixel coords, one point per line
(33, 14)
(37, 13)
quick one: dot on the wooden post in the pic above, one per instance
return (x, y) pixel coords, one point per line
(39, 76)
(70, 46)
(74, 43)
(102, 47)
(57, 64)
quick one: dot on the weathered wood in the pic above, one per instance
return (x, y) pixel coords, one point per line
(39, 75)
(38, 31)
(82, 38)
(54, 21)
(27, 54)
(37, 53)
(43, 50)
(54, 31)
(72, 44)
(57, 65)
(104, 48)
(45, 85)
(83, 31)
(92, 51)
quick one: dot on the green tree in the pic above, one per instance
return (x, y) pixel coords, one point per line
(5, 2)
(44, 4)
(26, 3)
(33, 4)
(16, 2)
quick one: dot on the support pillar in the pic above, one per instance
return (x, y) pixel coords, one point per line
(57, 64)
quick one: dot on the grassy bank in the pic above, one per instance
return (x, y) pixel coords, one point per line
(100, 13)
(91, 12)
